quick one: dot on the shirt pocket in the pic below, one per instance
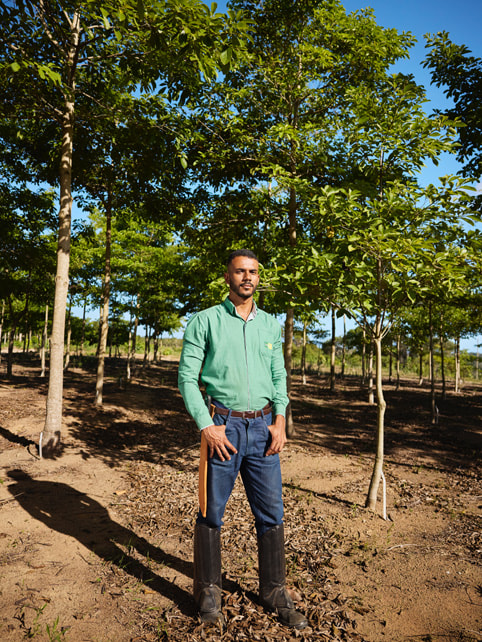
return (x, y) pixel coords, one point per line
(266, 346)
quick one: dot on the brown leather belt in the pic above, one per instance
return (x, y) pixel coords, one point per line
(245, 414)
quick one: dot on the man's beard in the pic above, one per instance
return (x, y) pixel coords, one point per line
(238, 289)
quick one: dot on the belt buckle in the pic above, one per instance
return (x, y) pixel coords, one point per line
(244, 413)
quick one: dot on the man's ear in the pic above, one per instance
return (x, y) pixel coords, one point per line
(226, 277)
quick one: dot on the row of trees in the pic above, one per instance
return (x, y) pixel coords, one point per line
(306, 148)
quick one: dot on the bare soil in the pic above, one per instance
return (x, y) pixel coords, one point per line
(95, 545)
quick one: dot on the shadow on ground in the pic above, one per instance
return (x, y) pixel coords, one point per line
(66, 510)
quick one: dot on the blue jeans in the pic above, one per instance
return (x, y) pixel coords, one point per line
(261, 475)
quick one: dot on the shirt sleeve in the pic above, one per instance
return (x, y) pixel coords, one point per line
(278, 373)
(192, 357)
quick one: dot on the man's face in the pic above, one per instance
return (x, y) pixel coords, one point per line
(242, 276)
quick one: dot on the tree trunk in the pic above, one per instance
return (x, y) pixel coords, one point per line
(371, 392)
(82, 340)
(390, 361)
(50, 437)
(147, 346)
(155, 340)
(398, 362)
(131, 352)
(434, 409)
(104, 320)
(371, 500)
(288, 350)
(11, 341)
(457, 364)
(343, 353)
(420, 367)
(289, 323)
(45, 336)
(69, 336)
(442, 361)
(1, 328)
(333, 351)
(303, 355)
(364, 358)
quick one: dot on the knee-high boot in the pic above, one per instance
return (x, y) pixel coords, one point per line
(272, 578)
(207, 573)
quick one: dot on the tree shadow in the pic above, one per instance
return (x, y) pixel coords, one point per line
(326, 496)
(345, 424)
(160, 432)
(66, 510)
(17, 439)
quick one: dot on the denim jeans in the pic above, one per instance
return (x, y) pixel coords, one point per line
(261, 474)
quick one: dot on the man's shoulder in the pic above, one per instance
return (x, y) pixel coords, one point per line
(267, 319)
(207, 313)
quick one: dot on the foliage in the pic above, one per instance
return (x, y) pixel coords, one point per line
(460, 73)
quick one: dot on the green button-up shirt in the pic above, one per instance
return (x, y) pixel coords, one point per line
(242, 362)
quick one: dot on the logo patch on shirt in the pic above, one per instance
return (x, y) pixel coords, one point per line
(269, 346)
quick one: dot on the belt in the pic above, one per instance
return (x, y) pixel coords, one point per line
(245, 414)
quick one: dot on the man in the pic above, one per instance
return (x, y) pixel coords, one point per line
(238, 347)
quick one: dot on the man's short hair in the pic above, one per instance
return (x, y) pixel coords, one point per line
(248, 253)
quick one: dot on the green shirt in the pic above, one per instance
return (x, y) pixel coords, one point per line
(242, 362)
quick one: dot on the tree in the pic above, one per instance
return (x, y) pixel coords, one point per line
(274, 126)
(399, 250)
(460, 73)
(26, 256)
(55, 55)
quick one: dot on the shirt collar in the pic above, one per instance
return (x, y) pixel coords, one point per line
(232, 309)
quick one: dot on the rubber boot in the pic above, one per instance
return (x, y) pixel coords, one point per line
(272, 578)
(207, 573)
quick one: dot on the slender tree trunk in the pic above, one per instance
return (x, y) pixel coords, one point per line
(434, 409)
(333, 351)
(69, 336)
(420, 367)
(371, 392)
(390, 361)
(303, 355)
(25, 339)
(1, 328)
(147, 347)
(343, 352)
(442, 360)
(82, 340)
(131, 353)
(156, 346)
(289, 323)
(364, 358)
(288, 353)
(104, 321)
(11, 341)
(457, 364)
(398, 361)
(50, 436)
(45, 336)
(371, 500)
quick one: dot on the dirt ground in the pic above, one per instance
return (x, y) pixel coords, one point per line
(96, 544)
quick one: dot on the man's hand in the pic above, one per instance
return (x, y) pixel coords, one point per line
(217, 441)
(278, 436)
